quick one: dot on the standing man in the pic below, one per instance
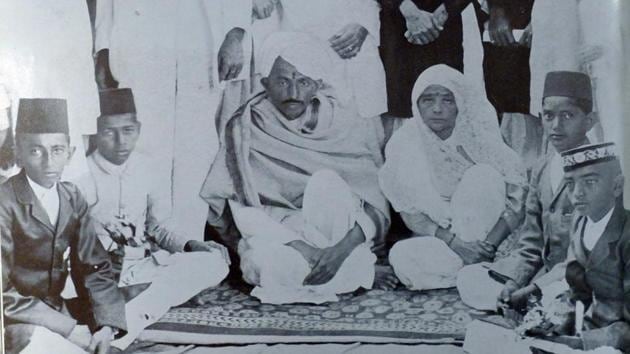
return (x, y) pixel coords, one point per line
(173, 54)
(45, 51)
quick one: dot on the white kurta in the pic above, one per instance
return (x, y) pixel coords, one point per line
(136, 189)
(165, 51)
(363, 75)
(46, 52)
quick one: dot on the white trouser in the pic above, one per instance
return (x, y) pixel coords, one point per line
(177, 278)
(329, 211)
(44, 341)
(426, 262)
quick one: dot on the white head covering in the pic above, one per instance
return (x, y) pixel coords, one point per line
(421, 170)
(310, 55)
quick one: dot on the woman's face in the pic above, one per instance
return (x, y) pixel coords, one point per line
(438, 110)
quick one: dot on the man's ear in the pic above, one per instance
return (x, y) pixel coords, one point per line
(618, 184)
(591, 119)
(71, 152)
(139, 126)
(265, 82)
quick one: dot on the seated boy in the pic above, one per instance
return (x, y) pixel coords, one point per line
(600, 247)
(47, 234)
(544, 236)
(128, 195)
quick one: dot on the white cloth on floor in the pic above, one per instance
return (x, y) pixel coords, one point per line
(329, 211)
(179, 277)
(43, 340)
(480, 291)
(426, 262)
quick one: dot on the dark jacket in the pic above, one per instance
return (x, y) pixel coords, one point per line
(607, 273)
(545, 235)
(34, 270)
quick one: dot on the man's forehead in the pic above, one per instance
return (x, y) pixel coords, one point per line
(281, 67)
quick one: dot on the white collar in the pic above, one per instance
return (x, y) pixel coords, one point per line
(593, 231)
(109, 167)
(39, 190)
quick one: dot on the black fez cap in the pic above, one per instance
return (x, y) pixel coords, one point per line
(42, 116)
(588, 155)
(117, 101)
(569, 84)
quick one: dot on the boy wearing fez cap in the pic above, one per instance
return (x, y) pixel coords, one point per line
(129, 196)
(598, 270)
(47, 234)
(538, 259)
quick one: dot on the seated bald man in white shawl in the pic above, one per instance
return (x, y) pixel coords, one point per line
(298, 172)
(457, 186)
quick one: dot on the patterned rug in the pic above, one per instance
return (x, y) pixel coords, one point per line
(227, 316)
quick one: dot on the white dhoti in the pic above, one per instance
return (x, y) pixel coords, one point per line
(426, 262)
(329, 211)
(174, 278)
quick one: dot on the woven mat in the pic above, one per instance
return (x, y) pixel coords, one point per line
(226, 316)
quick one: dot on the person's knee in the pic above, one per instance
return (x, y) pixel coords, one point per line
(400, 253)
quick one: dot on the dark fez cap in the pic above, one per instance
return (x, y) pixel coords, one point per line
(117, 101)
(42, 115)
(569, 84)
(588, 155)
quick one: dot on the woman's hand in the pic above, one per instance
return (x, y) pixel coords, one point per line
(349, 40)
(471, 252)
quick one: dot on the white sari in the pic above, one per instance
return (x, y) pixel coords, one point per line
(431, 183)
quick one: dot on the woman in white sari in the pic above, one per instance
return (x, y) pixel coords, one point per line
(456, 184)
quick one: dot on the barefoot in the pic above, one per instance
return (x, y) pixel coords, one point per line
(384, 278)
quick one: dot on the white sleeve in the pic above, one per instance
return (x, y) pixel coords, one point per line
(225, 15)
(365, 13)
(5, 103)
(103, 24)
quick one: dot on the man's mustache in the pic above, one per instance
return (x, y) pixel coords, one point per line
(292, 101)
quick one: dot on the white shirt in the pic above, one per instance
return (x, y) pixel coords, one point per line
(593, 231)
(556, 172)
(49, 198)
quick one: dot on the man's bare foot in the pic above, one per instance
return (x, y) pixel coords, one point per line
(384, 277)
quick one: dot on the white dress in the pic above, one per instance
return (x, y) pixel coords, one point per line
(46, 52)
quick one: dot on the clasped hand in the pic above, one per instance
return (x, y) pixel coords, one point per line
(423, 27)
(123, 232)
